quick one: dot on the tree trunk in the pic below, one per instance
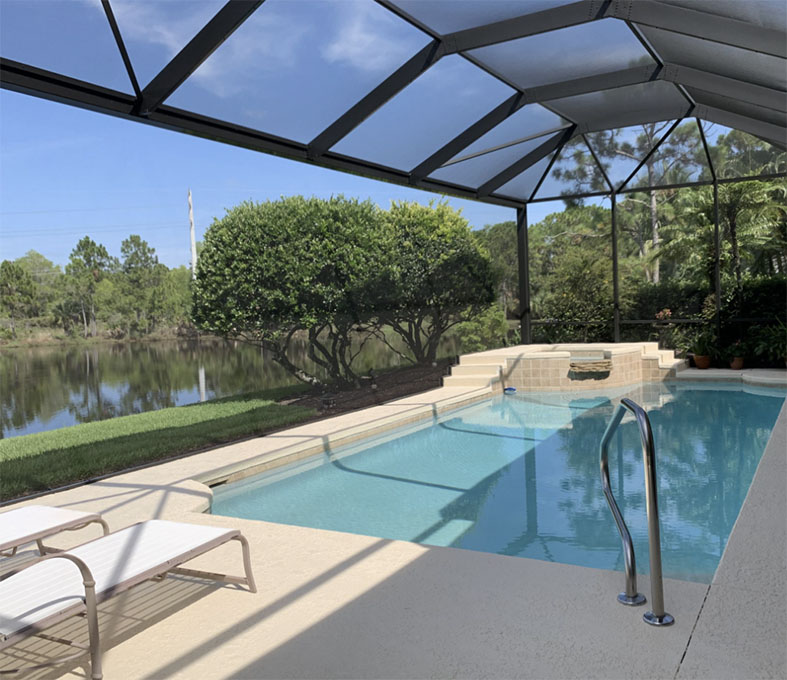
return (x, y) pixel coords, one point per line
(84, 318)
(736, 255)
(654, 228)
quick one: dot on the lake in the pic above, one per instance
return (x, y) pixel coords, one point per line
(44, 388)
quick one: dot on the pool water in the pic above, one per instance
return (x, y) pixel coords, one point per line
(519, 475)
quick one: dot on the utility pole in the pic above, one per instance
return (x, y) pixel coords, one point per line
(193, 240)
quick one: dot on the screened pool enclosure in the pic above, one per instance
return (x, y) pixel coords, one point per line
(504, 101)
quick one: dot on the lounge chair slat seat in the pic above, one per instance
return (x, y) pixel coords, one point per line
(34, 522)
(117, 561)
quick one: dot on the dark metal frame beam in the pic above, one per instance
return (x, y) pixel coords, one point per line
(47, 85)
(506, 145)
(525, 162)
(29, 80)
(717, 256)
(385, 91)
(535, 95)
(121, 47)
(523, 268)
(707, 149)
(615, 268)
(753, 126)
(703, 25)
(196, 51)
(650, 153)
(546, 172)
(527, 24)
(598, 163)
(725, 87)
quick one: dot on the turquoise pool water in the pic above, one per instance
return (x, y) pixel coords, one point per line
(519, 475)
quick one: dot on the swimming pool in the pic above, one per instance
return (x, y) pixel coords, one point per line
(519, 475)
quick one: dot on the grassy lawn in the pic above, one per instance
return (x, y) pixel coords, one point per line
(37, 462)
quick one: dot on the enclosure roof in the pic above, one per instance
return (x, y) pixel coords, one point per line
(474, 98)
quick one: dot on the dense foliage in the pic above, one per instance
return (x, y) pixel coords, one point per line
(97, 294)
(665, 247)
(339, 272)
(436, 276)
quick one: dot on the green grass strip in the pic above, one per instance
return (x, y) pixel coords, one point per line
(41, 461)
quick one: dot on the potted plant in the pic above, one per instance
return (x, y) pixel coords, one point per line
(702, 346)
(735, 354)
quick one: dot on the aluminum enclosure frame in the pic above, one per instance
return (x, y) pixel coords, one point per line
(148, 104)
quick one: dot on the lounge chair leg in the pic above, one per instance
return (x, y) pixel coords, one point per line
(92, 627)
(41, 547)
(247, 562)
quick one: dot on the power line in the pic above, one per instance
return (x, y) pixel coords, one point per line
(87, 230)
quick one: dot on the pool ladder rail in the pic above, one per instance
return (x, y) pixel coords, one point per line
(657, 616)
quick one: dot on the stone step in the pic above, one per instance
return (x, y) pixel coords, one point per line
(476, 369)
(481, 359)
(470, 380)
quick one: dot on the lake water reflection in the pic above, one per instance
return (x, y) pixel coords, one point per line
(44, 388)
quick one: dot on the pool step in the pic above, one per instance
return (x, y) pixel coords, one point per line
(476, 369)
(473, 375)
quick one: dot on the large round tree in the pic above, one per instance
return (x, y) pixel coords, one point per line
(440, 275)
(269, 270)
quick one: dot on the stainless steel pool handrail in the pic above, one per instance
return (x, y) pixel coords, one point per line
(657, 616)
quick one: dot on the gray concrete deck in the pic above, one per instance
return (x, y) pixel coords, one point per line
(335, 605)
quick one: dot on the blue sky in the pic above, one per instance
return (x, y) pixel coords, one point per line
(66, 173)
(290, 69)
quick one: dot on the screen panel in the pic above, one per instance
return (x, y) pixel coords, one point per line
(529, 121)
(573, 172)
(737, 106)
(765, 13)
(570, 257)
(681, 158)
(631, 105)
(574, 52)
(70, 38)
(738, 154)
(154, 31)
(292, 68)
(447, 16)
(476, 170)
(621, 150)
(426, 115)
(522, 185)
(705, 55)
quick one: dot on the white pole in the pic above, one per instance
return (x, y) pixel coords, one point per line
(193, 240)
(201, 377)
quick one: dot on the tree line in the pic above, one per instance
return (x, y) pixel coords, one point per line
(335, 273)
(666, 244)
(133, 295)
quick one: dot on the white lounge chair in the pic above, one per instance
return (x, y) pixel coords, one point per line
(62, 584)
(36, 522)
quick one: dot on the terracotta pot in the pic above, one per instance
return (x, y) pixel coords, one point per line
(702, 361)
(736, 364)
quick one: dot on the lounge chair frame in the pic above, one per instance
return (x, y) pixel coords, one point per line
(9, 549)
(89, 609)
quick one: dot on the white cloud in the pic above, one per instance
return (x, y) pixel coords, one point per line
(226, 72)
(367, 39)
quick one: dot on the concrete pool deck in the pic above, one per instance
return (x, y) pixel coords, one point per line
(335, 605)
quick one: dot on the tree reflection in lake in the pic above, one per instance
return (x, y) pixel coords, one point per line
(44, 388)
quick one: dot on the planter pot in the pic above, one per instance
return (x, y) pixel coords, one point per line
(702, 361)
(736, 364)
